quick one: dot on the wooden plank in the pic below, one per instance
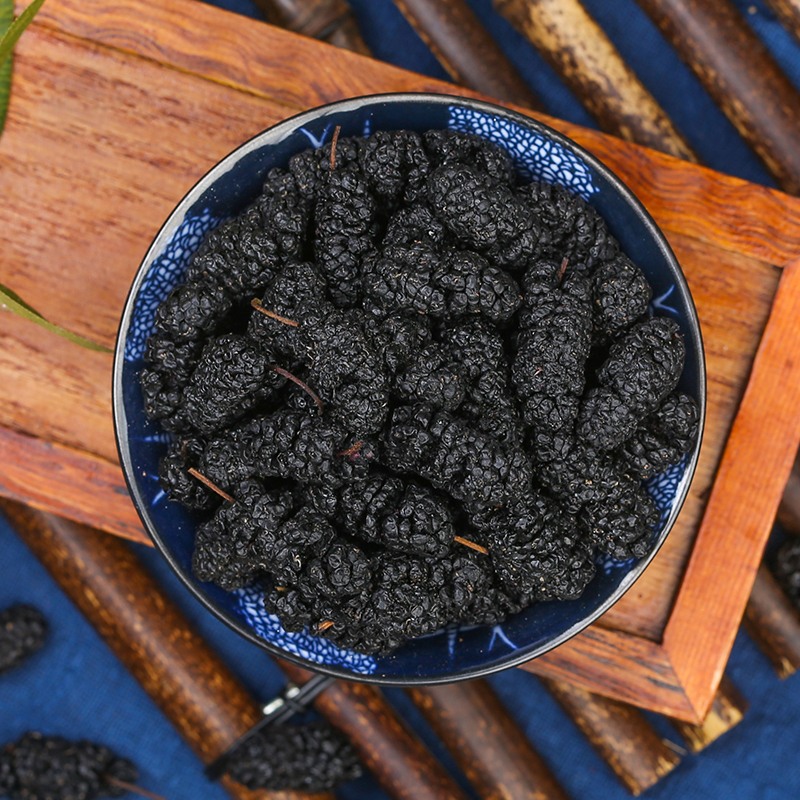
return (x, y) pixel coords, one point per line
(300, 73)
(755, 465)
(69, 482)
(84, 231)
(619, 733)
(727, 711)
(616, 664)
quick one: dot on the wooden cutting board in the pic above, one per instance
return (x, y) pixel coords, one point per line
(118, 109)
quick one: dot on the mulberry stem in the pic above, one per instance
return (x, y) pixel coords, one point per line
(314, 396)
(336, 132)
(352, 450)
(562, 269)
(256, 303)
(130, 787)
(473, 545)
(213, 486)
(323, 626)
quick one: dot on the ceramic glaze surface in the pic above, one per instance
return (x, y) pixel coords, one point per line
(537, 152)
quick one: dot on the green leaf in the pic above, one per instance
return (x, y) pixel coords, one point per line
(10, 30)
(17, 27)
(13, 302)
(6, 18)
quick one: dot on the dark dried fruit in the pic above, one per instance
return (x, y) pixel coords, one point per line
(311, 757)
(644, 366)
(37, 767)
(663, 439)
(23, 630)
(465, 362)
(620, 294)
(451, 454)
(232, 377)
(192, 310)
(394, 164)
(173, 475)
(345, 234)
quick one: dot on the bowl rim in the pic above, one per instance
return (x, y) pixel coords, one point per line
(272, 135)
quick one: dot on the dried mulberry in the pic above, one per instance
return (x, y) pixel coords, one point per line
(23, 630)
(311, 757)
(37, 767)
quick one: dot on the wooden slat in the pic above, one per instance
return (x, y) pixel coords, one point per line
(68, 482)
(486, 742)
(300, 73)
(616, 664)
(755, 465)
(727, 711)
(583, 56)
(773, 623)
(619, 733)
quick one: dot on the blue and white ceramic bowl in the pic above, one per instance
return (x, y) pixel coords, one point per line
(538, 152)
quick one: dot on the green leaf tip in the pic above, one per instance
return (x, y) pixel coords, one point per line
(11, 301)
(10, 31)
(16, 29)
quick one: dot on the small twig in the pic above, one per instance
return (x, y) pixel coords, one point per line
(256, 303)
(130, 787)
(213, 486)
(562, 269)
(314, 396)
(467, 543)
(352, 450)
(323, 626)
(335, 141)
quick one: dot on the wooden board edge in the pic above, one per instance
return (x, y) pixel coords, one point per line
(619, 665)
(40, 473)
(745, 497)
(176, 34)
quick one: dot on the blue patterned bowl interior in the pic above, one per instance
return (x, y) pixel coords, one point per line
(538, 152)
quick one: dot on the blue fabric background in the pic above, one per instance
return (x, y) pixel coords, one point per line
(76, 688)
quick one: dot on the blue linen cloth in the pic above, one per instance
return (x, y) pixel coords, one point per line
(76, 688)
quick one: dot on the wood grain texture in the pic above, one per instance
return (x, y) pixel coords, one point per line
(727, 711)
(773, 624)
(393, 753)
(486, 742)
(755, 465)
(330, 21)
(69, 482)
(187, 680)
(788, 12)
(300, 73)
(629, 668)
(153, 101)
(465, 49)
(738, 71)
(619, 733)
(577, 48)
